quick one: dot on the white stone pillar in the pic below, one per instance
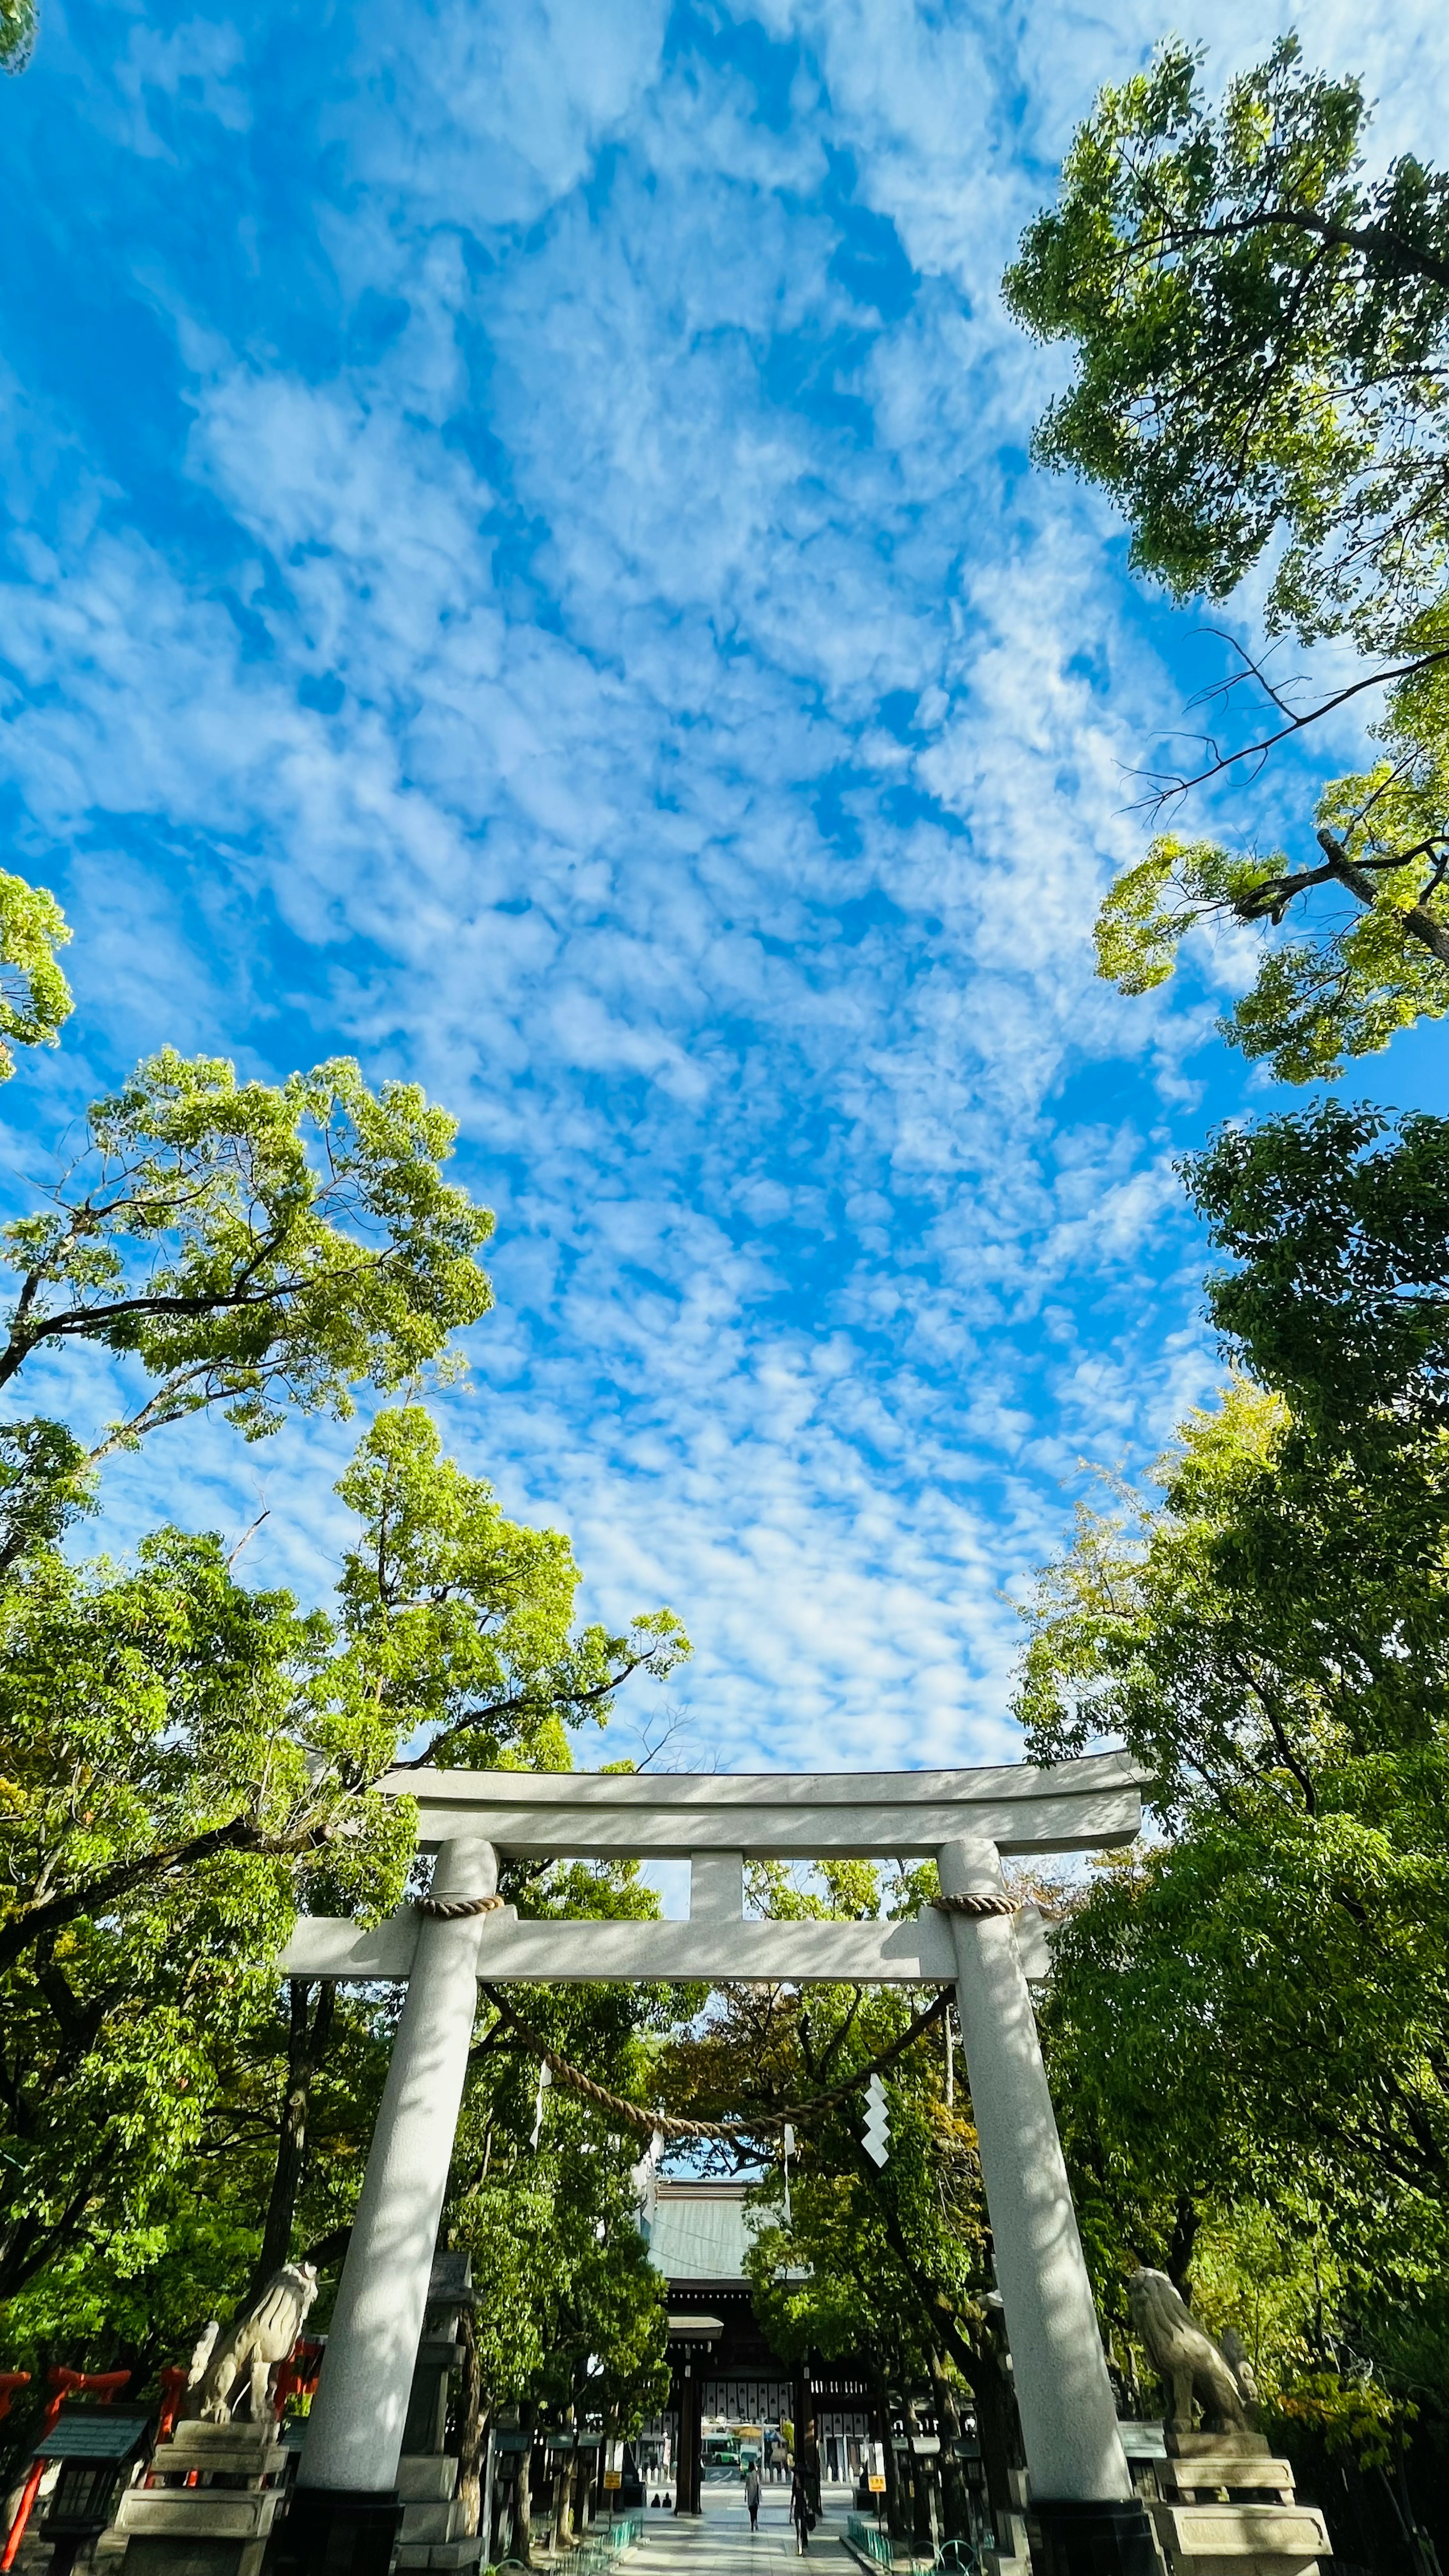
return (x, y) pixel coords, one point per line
(355, 2430)
(1068, 2415)
(716, 1887)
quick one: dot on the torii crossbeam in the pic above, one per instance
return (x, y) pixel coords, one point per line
(345, 2506)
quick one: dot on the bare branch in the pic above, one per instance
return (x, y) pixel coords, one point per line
(1172, 790)
(249, 1533)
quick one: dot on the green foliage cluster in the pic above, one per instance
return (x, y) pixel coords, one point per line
(1358, 976)
(254, 1246)
(890, 2265)
(1355, 2417)
(17, 33)
(1249, 2017)
(1250, 2020)
(34, 995)
(461, 1620)
(187, 1760)
(184, 1760)
(1261, 332)
(571, 2315)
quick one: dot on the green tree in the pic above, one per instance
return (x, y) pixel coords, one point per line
(34, 995)
(905, 2246)
(1261, 330)
(17, 34)
(170, 2235)
(1372, 965)
(571, 2317)
(891, 2264)
(183, 1760)
(162, 1722)
(262, 1248)
(158, 1784)
(1253, 2015)
(1337, 1221)
(461, 1620)
(186, 1761)
(827, 2283)
(254, 1246)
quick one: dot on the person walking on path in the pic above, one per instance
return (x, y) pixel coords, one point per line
(800, 2509)
(752, 2496)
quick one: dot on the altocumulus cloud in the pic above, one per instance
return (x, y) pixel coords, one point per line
(522, 565)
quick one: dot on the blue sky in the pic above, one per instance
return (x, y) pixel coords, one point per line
(521, 565)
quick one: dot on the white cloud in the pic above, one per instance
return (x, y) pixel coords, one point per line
(489, 115)
(537, 738)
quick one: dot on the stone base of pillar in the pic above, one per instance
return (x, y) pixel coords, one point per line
(1073, 2539)
(333, 2533)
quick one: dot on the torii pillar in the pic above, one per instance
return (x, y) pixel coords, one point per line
(1083, 2517)
(345, 2508)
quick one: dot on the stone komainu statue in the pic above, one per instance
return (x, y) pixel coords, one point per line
(1189, 2360)
(261, 2337)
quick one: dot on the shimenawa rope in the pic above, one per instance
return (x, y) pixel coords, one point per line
(976, 1909)
(455, 1909)
(638, 2117)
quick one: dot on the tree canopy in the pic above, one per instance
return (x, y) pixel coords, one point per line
(1261, 329)
(34, 996)
(1338, 1224)
(1370, 964)
(1250, 2019)
(1376, 955)
(17, 34)
(256, 1247)
(460, 1620)
(253, 1245)
(186, 1758)
(889, 2264)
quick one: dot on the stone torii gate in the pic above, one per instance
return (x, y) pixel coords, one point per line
(1084, 2518)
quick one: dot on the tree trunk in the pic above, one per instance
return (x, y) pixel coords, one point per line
(895, 2503)
(472, 2431)
(981, 2366)
(955, 2502)
(306, 2048)
(1180, 2250)
(1423, 2557)
(999, 2431)
(919, 2474)
(522, 2538)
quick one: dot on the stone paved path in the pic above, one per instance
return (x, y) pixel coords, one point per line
(721, 2542)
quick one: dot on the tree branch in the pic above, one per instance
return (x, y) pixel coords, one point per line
(93, 1319)
(1417, 920)
(510, 1707)
(32, 1923)
(1223, 761)
(1374, 241)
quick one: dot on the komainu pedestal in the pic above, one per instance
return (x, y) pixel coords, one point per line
(219, 2526)
(1226, 2507)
